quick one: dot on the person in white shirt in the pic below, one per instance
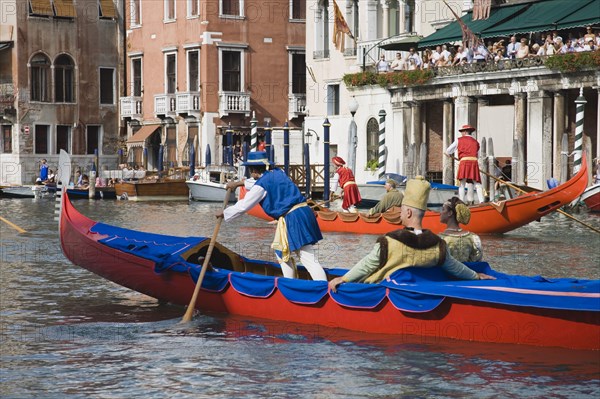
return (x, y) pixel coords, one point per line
(436, 56)
(414, 60)
(382, 65)
(446, 56)
(398, 64)
(513, 47)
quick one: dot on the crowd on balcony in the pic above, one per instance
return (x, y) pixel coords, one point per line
(534, 45)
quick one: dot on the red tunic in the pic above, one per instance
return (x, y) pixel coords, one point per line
(348, 184)
(468, 147)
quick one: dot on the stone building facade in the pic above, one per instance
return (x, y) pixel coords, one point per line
(59, 84)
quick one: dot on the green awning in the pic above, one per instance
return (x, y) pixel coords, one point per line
(452, 32)
(540, 16)
(402, 44)
(587, 15)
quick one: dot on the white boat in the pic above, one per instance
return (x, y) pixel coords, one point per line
(209, 184)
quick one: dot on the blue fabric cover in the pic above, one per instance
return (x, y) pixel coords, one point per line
(411, 289)
(162, 249)
(302, 291)
(253, 285)
(357, 295)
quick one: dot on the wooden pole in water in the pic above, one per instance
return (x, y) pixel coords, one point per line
(491, 162)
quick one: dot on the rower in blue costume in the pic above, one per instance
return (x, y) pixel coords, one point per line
(297, 227)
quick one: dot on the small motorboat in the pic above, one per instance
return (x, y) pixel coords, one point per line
(209, 184)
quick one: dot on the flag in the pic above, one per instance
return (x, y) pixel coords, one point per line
(481, 9)
(470, 39)
(340, 28)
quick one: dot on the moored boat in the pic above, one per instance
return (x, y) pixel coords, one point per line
(18, 191)
(153, 190)
(591, 198)
(488, 218)
(511, 309)
(210, 184)
(100, 193)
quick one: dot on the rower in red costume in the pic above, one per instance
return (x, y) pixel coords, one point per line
(468, 169)
(345, 178)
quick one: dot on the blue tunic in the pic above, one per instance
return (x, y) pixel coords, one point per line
(44, 172)
(282, 195)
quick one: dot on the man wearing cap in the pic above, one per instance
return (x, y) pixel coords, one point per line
(411, 246)
(468, 168)
(345, 178)
(297, 227)
(392, 198)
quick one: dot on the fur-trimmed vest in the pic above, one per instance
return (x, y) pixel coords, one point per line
(403, 248)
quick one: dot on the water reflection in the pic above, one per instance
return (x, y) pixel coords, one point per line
(65, 331)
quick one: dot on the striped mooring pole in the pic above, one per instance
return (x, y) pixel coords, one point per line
(579, 113)
(253, 132)
(381, 152)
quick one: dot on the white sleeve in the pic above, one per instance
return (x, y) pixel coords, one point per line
(452, 148)
(253, 197)
(334, 181)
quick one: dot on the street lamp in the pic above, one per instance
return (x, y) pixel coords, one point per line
(352, 134)
(308, 135)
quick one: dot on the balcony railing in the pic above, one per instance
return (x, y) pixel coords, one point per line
(232, 102)
(503, 65)
(188, 102)
(131, 107)
(165, 104)
(297, 105)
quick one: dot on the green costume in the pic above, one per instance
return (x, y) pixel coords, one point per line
(403, 248)
(463, 245)
(390, 199)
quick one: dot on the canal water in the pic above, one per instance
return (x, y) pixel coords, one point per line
(65, 332)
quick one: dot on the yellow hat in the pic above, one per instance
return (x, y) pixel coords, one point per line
(417, 193)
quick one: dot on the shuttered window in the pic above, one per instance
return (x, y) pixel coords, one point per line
(64, 8)
(40, 7)
(107, 9)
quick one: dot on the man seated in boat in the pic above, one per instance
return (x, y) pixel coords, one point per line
(391, 198)
(85, 182)
(463, 245)
(411, 246)
(297, 227)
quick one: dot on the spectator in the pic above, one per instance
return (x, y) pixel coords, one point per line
(461, 56)
(590, 45)
(568, 47)
(512, 48)
(480, 53)
(523, 51)
(589, 35)
(436, 56)
(414, 60)
(382, 65)
(427, 57)
(445, 56)
(398, 64)
(43, 171)
(499, 56)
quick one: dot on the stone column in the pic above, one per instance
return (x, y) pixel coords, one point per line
(481, 102)
(558, 128)
(519, 160)
(385, 29)
(371, 19)
(465, 112)
(447, 139)
(402, 16)
(539, 139)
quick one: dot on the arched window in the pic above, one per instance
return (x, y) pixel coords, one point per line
(40, 78)
(64, 79)
(372, 142)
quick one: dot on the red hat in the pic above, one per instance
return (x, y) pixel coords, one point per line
(466, 127)
(338, 161)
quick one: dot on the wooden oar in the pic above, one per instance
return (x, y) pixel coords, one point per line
(187, 317)
(525, 192)
(14, 226)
